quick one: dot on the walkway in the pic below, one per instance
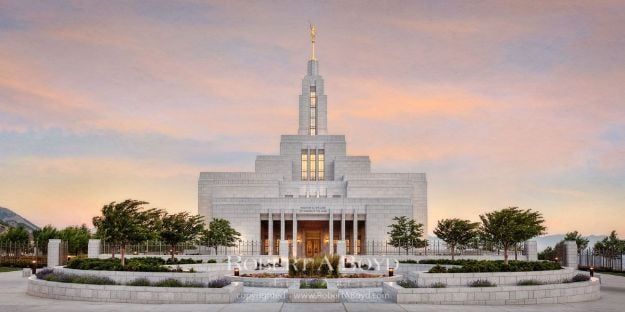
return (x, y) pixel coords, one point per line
(13, 298)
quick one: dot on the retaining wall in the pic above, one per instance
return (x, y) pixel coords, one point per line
(501, 295)
(133, 294)
(425, 279)
(285, 282)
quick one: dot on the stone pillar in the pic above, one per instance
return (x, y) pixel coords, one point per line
(342, 225)
(282, 228)
(294, 244)
(331, 235)
(284, 250)
(341, 248)
(270, 232)
(54, 253)
(531, 253)
(355, 238)
(93, 249)
(571, 258)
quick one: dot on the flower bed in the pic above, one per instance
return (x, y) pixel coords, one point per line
(499, 295)
(499, 278)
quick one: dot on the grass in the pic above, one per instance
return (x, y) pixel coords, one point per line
(613, 273)
(313, 284)
(9, 269)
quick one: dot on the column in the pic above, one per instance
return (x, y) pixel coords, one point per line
(531, 251)
(342, 224)
(331, 235)
(54, 253)
(294, 235)
(355, 238)
(270, 232)
(282, 229)
(93, 248)
(571, 259)
(283, 248)
(341, 248)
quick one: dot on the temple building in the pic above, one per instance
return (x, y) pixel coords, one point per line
(312, 197)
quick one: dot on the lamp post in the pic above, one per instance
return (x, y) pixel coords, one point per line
(33, 267)
(236, 271)
(592, 271)
(391, 272)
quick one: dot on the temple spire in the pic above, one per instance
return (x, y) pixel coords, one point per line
(313, 34)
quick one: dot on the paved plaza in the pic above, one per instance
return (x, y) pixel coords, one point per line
(13, 298)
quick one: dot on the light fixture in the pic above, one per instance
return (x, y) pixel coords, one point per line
(592, 271)
(33, 267)
(236, 271)
(391, 272)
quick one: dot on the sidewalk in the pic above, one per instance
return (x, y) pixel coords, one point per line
(13, 298)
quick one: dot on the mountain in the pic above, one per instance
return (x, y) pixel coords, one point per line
(10, 218)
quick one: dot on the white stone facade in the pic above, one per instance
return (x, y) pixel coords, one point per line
(312, 192)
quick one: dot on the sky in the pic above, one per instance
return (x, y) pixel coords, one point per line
(501, 103)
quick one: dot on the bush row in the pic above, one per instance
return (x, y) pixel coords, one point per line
(51, 276)
(145, 264)
(473, 266)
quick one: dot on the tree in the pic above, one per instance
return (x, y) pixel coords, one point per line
(77, 238)
(548, 254)
(406, 233)
(610, 245)
(127, 223)
(44, 234)
(581, 241)
(456, 232)
(180, 227)
(510, 226)
(17, 235)
(220, 233)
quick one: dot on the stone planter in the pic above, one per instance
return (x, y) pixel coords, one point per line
(327, 295)
(133, 294)
(500, 295)
(341, 282)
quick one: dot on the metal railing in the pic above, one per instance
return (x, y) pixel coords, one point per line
(21, 254)
(248, 248)
(602, 259)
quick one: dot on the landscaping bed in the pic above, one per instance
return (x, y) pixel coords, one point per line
(313, 291)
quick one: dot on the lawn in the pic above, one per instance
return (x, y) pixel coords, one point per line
(9, 269)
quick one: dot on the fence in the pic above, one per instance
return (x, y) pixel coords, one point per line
(246, 248)
(249, 248)
(21, 254)
(435, 248)
(602, 259)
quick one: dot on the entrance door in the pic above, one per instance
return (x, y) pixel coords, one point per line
(313, 244)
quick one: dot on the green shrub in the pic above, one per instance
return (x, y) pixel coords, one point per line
(438, 285)
(531, 282)
(408, 284)
(182, 261)
(211, 261)
(445, 261)
(472, 266)
(145, 264)
(141, 281)
(481, 283)
(438, 269)
(580, 278)
(313, 284)
(409, 261)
